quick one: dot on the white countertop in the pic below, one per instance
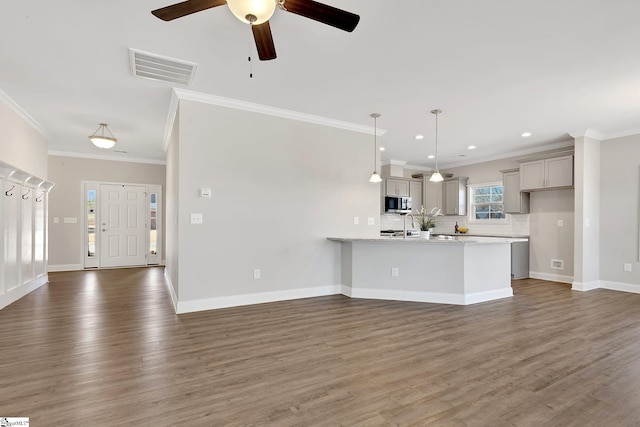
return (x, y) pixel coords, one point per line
(433, 241)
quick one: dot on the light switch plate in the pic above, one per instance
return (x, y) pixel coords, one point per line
(205, 192)
(370, 221)
(356, 220)
(196, 218)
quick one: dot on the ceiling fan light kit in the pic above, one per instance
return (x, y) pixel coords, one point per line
(101, 140)
(258, 12)
(254, 12)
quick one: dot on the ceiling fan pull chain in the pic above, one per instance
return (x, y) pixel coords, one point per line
(249, 57)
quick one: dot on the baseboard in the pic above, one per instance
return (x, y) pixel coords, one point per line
(586, 286)
(478, 297)
(551, 277)
(64, 267)
(619, 286)
(429, 297)
(172, 290)
(258, 298)
(18, 292)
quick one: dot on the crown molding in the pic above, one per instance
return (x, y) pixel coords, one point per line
(587, 133)
(622, 134)
(171, 118)
(9, 102)
(106, 157)
(189, 95)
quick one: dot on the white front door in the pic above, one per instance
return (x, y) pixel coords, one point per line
(122, 225)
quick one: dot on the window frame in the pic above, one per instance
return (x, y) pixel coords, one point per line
(471, 214)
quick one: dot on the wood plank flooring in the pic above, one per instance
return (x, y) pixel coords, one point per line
(104, 348)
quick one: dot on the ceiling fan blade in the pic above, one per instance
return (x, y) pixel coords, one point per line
(185, 8)
(326, 14)
(264, 41)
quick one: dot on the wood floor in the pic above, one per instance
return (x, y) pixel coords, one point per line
(104, 348)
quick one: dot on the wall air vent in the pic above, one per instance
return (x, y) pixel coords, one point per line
(156, 67)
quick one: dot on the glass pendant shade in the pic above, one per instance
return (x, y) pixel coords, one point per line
(100, 140)
(436, 177)
(375, 177)
(246, 10)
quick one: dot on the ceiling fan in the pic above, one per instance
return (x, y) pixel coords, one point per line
(258, 12)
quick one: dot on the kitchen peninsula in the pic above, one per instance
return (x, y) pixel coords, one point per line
(452, 271)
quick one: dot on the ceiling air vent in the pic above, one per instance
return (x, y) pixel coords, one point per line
(156, 67)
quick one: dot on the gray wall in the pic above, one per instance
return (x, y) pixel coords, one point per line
(279, 188)
(21, 145)
(620, 161)
(66, 198)
(547, 240)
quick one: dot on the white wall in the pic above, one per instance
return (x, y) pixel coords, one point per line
(172, 210)
(279, 188)
(620, 190)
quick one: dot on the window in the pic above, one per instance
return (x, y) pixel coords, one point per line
(486, 203)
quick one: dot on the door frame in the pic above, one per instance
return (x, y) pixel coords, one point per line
(93, 261)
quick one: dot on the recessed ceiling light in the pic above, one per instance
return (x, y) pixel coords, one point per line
(462, 155)
(382, 148)
(430, 156)
(419, 136)
(471, 147)
(526, 134)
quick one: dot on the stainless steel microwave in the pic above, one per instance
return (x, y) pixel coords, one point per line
(397, 204)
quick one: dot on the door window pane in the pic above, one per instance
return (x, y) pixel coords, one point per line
(91, 223)
(153, 224)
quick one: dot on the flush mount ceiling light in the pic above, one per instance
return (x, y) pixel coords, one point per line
(254, 12)
(471, 147)
(436, 177)
(526, 134)
(374, 176)
(100, 140)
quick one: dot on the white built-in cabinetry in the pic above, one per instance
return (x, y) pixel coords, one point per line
(514, 200)
(545, 174)
(23, 215)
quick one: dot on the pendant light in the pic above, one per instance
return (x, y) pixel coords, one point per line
(436, 177)
(374, 176)
(100, 140)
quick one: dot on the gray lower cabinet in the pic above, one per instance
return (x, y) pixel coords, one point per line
(520, 260)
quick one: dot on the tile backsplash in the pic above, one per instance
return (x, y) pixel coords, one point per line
(517, 225)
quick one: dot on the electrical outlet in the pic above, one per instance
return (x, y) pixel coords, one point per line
(371, 221)
(196, 218)
(560, 223)
(626, 267)
(256, 273)
(56, 220)
(394, 271)
(356, 220)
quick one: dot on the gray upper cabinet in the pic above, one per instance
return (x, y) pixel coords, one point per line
(546, 174)
(455, 196)
(515, 201)
(433, 195)
(415, 191)
(396, 187)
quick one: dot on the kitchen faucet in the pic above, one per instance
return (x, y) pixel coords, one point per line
(404, 223)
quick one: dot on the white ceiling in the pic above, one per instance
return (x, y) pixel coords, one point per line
(496, 68)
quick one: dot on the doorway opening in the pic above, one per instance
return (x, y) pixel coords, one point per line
(122, 224)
